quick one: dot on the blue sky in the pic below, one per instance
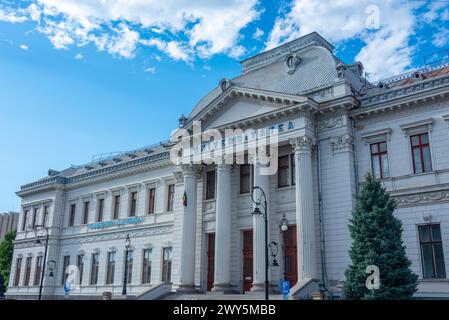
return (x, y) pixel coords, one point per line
(85, 77)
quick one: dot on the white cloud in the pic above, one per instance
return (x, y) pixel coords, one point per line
(173, 49)
(79, 56)
(258, 34)
(189, 28)
(151, 70)
(24, 47)
(441, 38)
(387, 25)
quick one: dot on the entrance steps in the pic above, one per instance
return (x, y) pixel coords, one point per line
(220, 296)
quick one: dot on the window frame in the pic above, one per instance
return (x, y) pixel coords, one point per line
(38, 270)
(18, 271)
(379, 155)
(25, 218)
(46, 215)
(65, 264)
(86, 209)
(421, 147)
(170, 197)
(133, 203)
(249, 176)
(432, 243)
(151, 200)
(211, 191)
(146, 266)
(100, 210)
(167, 265)
(116, 210)
(129, 260)
(110, 268)
(287, 168)
(95, 263)
(28, 264)
(72, 215)
(80, 259)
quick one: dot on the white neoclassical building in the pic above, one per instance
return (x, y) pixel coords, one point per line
(192, 228)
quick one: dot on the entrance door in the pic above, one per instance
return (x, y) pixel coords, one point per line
(291, 262)
(210, 260)
(247, 260)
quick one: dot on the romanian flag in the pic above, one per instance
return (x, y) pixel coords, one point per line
(184, 199)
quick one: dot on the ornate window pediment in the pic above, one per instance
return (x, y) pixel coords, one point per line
(377, 135)
(421, 126)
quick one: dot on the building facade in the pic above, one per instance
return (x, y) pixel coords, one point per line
(191, 226)
(8, 223)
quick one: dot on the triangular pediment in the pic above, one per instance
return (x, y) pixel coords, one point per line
(237, 103)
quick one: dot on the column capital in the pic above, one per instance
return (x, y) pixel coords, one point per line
(189, 170)
(303, 144)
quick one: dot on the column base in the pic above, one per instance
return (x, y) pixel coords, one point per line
(222, 288)
(186, 288)
(258, 287)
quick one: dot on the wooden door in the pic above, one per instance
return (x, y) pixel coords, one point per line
(210, 260)
(291, 262)
(247, 260)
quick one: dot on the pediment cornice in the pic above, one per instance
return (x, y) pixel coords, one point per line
(281, 101)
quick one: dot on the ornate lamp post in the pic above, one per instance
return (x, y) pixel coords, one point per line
(283, 226)
(38, 242)
(125, 276)
(265, 216)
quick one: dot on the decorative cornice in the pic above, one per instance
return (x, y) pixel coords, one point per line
(303, 144)
(342, 143)
(100, 175)
(422, 198)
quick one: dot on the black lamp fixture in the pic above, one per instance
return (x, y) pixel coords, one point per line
(283, 225)
(274, 248)
(125, 276)
(38, 242)
(257, 211)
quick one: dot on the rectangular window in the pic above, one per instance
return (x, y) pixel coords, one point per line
(65, 264)
(379, 160)
(133, 206)
(146, 266)
(46, 215)
(26, 281)
(94, 268)
(111, 268)
(86, 213)
(421, 153)
(38, 271)
(283, 171)
(210, 185)
(25, 218)
(35, 217)
(80, 265)
(72, 215)
(170, 197)
(151, 200)
(432, 257)
(100, 210)
(18, 271)
(116, 207)
(166, 264)
(245, 178)
(129, 262)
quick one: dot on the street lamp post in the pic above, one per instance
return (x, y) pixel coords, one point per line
(125, 276)
(283, 226)
(38, 241)
(265, 215)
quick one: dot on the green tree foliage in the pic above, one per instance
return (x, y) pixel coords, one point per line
(377, 240)
(6, 250)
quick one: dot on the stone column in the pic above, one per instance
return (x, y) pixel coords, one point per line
(222, 273)
(262, 181)
(305, 230)
(187, 272)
